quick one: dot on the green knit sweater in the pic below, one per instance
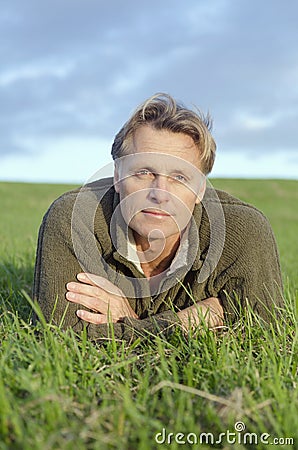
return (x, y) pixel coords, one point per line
(231, 254)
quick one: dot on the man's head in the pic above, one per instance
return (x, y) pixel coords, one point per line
(162, 112)
(161, 156)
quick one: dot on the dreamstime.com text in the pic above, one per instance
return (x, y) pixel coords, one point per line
(238, 436)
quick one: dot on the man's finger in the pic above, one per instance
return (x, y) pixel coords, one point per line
(103, 283)
(88, 290)
(95, 304)
(92, 317)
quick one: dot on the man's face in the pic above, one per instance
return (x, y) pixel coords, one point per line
(159, 183)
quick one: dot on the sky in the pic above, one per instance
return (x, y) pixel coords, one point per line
(73, 71)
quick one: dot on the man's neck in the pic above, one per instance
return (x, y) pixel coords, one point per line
(156, 255)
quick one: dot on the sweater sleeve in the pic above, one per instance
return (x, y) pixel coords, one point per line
(251, 274)
(161, 324)
(55, 265)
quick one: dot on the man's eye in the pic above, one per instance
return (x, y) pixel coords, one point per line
(180, 178)
(143, 172)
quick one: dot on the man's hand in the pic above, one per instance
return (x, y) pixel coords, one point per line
(99, 295)
(210, 311)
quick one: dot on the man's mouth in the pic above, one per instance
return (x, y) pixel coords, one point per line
(156, 213)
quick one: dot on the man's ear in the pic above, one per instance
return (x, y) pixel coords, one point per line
(116, 177)
(201, 190)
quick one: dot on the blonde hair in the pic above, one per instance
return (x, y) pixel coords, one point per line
(162, 112)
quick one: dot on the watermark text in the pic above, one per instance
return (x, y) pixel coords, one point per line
(237, 436)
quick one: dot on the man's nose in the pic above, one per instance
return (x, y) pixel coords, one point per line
(159, 189)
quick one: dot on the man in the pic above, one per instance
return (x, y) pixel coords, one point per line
(155, 247)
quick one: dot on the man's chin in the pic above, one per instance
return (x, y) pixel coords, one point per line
(154, 233)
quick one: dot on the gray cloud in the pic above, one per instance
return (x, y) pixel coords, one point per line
(79, 67)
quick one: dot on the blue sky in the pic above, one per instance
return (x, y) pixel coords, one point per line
(72, 72)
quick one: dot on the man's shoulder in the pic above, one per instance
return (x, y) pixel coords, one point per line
(97, 192)
(240, 218)
(237, 225)
(232, 205)
(98, 188)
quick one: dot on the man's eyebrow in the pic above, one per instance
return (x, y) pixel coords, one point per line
(181, 172)
(172, 171)
(187, 172)
(137, 164)
(141, 165)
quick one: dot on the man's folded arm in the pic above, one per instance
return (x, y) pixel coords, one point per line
(205, 313)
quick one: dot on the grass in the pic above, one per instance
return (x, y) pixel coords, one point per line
(61, 392)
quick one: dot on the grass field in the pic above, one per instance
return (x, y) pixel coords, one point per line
(61, 392)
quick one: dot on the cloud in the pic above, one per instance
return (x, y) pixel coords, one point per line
(76, 69)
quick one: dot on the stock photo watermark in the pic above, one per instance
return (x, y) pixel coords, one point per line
(238, 436)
